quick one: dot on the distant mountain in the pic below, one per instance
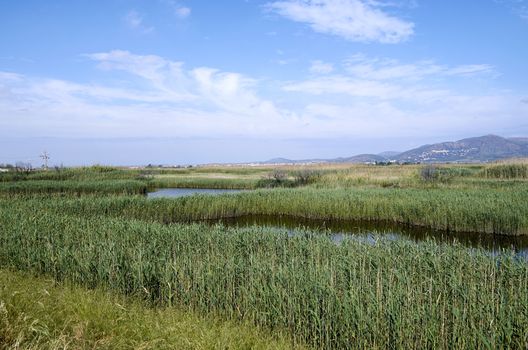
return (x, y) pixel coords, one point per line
(475, 149)
(521, 140)
(278, 161)
(361, 158)
(291, 161)
(389, 154)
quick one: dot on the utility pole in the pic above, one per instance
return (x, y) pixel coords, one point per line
(45, 157)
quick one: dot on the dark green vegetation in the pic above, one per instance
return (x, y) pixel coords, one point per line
(92, 229)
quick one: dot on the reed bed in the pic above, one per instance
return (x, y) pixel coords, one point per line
(124, 187)
(198, 182)
(461, 210)
(349, 295)
(506, 171)
(79, 174)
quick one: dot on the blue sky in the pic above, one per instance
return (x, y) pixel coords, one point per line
(190, 81)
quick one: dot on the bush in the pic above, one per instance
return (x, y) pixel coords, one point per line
(429, 173)
(306, 176)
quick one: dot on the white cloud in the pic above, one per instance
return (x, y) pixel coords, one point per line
(158, 97)
(355, 20)
(343, 85)
(167, 100)
(476, 115)
(179, 10)
(8, 76)
(470, 69)
(386, 79)
(364, 67)
(182, 12)
(134, 20)
(320, 67)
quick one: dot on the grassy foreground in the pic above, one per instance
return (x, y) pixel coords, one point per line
(351, 295)
(38, 313)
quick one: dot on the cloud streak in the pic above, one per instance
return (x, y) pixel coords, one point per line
(361, 66)
(134, 20)
(354, 20)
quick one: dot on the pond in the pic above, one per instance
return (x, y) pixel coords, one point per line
(361, 230)
(184, 192)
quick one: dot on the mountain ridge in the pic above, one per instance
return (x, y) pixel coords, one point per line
(472, 150)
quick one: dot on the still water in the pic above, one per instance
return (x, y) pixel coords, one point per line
(370, 232)
(184, 192)
(361, 230)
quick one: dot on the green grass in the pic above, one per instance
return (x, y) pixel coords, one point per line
(351, 295)
(38, 313)
(32, 187)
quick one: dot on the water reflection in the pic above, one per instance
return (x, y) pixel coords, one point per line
(370, 232)
(184, 192)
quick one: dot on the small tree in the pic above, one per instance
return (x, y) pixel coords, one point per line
(21, 167)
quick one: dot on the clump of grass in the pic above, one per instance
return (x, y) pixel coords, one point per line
(351, 295)
(38, 313)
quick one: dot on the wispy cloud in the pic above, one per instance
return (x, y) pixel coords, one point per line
(386, 79)
(344, 85)
(179, 10)
(134, 20)
(230, 91)
(167, 100)
(518, 7)
(355, 20)
(365, 67)
(320, 67)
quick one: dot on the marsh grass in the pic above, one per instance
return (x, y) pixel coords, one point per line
(350, 295)
(463, 210)
(31, 187)
(506, 171)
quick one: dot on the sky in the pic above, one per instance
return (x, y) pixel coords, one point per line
(133, 82)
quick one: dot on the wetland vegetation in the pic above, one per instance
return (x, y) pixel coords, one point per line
(89, 232)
